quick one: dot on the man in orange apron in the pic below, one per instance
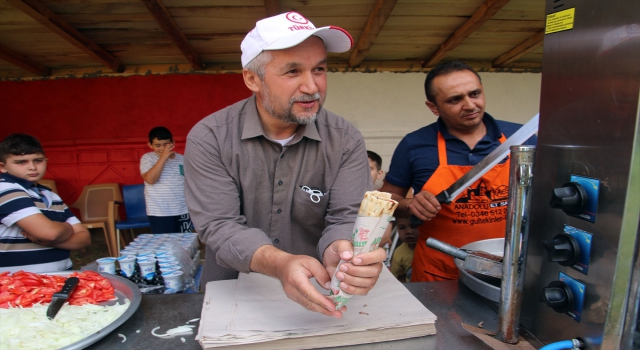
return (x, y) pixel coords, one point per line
(432, 158)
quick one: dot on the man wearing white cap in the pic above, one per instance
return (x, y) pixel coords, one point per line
(274, 182)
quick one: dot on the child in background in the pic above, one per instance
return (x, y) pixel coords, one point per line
(37, 229)
(163, 174)
(375, 165)
(403, 255)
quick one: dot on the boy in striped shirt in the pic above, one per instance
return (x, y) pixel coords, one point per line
(37, 230)
(163, 174)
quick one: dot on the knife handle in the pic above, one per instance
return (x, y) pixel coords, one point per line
(443, 197)
(68, 288)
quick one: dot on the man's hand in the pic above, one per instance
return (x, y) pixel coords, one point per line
(360, 274)
(294, 272)
(424, 205)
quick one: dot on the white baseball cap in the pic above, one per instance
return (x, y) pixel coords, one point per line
(288, 30)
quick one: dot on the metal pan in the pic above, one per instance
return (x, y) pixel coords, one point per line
(486, 286)
(124, 289)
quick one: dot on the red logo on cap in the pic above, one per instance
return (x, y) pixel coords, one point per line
(296, 18)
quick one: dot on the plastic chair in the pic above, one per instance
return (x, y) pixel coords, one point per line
(135, 208)
(49, 183)
(93, 205)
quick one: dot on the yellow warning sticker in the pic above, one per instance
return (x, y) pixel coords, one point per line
(560, 21)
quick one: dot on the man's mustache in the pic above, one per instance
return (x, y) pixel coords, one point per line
(307, 98)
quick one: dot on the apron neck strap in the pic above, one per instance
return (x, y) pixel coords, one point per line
(442, 149)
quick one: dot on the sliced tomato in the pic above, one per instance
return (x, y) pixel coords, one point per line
(4, 280)
(13, 285)
(89, 284)
(109, 293)
(19, 290)
(25, 288)
(99, 296)
(23, 300)
(58, 279)
(81, 292)
(22, 275)
(7, 296)
(48, 290)
(90, 276)
(104, 284)
(82, 301)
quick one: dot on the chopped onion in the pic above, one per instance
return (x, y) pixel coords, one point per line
(124, 337)
(29, 328)
(183, 340)
(195, 319)
(138, 331)
(173, 332)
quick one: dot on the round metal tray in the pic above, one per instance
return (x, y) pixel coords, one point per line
(124, 289)
(488, 287)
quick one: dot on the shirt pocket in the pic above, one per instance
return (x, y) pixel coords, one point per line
(304, 211)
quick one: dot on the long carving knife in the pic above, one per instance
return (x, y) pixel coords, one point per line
(493, 158)
(59, 298)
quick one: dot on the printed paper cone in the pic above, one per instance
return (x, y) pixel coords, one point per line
(366, 237)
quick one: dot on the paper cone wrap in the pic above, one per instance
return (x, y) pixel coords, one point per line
(366, 236)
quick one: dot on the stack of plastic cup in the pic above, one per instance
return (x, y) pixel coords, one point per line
(147, 268)
(107, 265)
(173, 281)
(127, 265)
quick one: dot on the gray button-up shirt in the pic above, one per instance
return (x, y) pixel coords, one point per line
(244, 190)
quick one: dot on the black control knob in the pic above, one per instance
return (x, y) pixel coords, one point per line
(571, 198)
(558, 296)
(563, 249)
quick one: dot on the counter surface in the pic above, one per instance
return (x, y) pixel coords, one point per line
(451, 301)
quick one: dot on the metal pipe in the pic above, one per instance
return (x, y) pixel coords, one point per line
(515, 243)
(446, 248)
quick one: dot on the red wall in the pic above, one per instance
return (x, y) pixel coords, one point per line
(94, 130)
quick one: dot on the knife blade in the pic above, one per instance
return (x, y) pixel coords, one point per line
(60, 297)
(488, 162)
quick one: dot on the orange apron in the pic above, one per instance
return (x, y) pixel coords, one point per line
(477, 214)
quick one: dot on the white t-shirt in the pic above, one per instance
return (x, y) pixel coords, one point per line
(166, 196)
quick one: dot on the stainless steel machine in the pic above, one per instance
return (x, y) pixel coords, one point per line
(582, 266)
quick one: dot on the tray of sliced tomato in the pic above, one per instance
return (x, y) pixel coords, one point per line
(24, 289)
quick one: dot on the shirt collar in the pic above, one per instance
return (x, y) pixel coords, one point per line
(252, 127)
(493, 130)
(14, 179)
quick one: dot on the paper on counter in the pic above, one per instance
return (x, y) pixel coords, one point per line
(231, 308)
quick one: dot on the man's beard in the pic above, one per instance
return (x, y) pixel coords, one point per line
(286, 114)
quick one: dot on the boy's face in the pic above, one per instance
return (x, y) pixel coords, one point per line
(375, 173)
(408, 233)
(158, 146)
(30, 167)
